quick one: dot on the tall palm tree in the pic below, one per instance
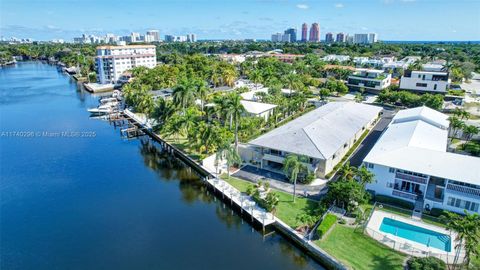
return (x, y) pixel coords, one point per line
(292, 165)
(236, 110)
(347, 172)
(455, 125)
(202, 92)
(228, 76)
(469, 131)
(467, 228)
(184, 95)
(292, 82)
(256, 76)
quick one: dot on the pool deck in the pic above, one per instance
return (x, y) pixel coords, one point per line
(407, 246)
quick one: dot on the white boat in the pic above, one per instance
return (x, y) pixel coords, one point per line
(108, 100)
(100, 111)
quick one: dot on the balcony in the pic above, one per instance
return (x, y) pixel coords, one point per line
(411, 178)
(404, 194)
(464, 190)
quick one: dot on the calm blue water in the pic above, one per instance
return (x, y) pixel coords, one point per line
(103, 202)
(416, 234)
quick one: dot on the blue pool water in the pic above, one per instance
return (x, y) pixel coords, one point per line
(417, 234)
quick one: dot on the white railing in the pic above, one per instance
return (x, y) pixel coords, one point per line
(413, 178)
(404, 194)
(462, 189)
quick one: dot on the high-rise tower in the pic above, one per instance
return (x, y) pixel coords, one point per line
(304, 32)
(315, 33)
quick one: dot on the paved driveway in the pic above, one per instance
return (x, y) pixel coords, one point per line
(367, 144)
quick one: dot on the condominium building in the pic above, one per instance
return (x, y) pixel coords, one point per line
(329, 37)
(304, 32)
(360, 38)
(372, 38)
(155, 34)
(112, 61)
(292, 32)
(315, 33)
(341, 37)
(323, 135)
(425, 81)
(410, 162)
(370, 80)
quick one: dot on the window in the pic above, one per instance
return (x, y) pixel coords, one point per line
(451, 201)
(345, 145)
(370, 165)
(421, 85)
(391, 170)
(435, 87)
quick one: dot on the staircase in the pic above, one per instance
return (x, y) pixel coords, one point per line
(417, 210)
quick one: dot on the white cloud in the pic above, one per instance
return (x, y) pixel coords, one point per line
(339, 5)
(302, 6)
(364, 28)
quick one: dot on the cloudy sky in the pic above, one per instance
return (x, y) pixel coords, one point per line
(238, 19)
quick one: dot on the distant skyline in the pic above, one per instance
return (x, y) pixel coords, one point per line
(412, 20)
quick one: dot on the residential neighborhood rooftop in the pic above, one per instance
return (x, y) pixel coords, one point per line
(256, 107)
(416, 140)
(322, 132)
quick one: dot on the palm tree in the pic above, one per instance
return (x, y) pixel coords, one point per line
(188, 120)
(462, 114)
(469, 131)
(468, 233)
(202, 92)
(184, 95)
(455, 125)
(255, 76)
(229, 153)
(292, 165)
(228, 76)
(236, 110)
(347, 172)
(292, 82)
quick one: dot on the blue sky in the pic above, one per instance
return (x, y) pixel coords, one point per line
(238, 19)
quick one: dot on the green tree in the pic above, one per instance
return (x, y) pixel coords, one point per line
(292, 166)
(184, 95)
(469, 131)
(467, 228)
(364, 176)
(236, 110)
(347, 171)
(455, 125)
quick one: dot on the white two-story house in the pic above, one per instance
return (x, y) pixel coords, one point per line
(370, 80)
(410, 162)
(436, 82)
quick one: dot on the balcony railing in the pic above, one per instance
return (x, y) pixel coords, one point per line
(465, 190)
(412, 178)
(404, 194)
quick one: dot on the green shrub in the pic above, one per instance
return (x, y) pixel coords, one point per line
(251, 190)
(472, 147)
(428, 263)
(326, 224)
(342, 221)
(436, 212)
(394, 202)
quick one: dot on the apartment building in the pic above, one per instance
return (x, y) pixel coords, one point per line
(112, 61)
(410, 162)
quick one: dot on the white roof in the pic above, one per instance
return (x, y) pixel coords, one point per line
(250, 95)
(416, 140)
(256, 107)
(320, 133)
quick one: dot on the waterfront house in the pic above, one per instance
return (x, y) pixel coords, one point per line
(410, 162)
(323, 135)
(371, 80)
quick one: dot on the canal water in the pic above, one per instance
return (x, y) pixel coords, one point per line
(75, 195)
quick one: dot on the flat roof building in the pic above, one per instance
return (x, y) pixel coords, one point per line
(112, 61)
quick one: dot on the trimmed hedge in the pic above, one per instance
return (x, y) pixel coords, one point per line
(436, 212)
(427, 263)
(394, 201)
(326, 224)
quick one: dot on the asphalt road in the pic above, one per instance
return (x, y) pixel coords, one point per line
(367, 144)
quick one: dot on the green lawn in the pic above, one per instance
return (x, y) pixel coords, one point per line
(359, 250)
(287, 210)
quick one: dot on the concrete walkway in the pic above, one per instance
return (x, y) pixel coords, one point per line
(279, 182)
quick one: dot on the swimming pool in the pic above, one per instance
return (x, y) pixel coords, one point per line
(417, 234)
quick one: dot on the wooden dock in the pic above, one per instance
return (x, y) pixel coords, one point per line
(227, 191)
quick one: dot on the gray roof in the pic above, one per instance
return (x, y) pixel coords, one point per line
(320, 133)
